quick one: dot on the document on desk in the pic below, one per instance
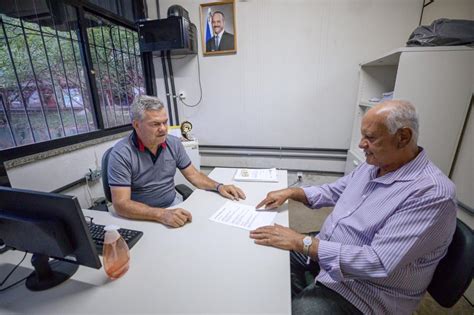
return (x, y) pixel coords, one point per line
(256, 175)
(242, 216)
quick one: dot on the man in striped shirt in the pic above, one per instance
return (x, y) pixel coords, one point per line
(393, 220)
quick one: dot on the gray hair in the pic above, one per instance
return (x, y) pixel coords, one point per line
(400, 114)
(143, 103)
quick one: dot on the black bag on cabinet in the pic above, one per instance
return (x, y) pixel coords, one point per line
(443, 32)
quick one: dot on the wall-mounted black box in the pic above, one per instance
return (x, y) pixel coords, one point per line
(174, 33)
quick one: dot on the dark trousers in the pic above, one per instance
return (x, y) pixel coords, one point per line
(314, 298)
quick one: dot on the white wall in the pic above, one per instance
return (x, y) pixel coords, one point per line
(463, 177)
(293, 81)
(152, 10)
(451, 9)
(463, 171)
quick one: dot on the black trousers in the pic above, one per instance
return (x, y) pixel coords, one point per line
(314, 298)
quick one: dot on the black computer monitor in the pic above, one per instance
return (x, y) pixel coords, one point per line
(48, 226)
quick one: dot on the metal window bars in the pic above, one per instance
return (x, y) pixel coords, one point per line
(44, 91)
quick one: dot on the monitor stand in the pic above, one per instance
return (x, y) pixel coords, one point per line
(3, 247)
(48, 275)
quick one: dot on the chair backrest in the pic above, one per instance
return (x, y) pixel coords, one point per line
(454, 272)
(105, 176)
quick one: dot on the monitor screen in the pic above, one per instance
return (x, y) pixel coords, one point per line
(47, 225)
(166, 30)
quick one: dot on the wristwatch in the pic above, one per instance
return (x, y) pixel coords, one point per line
(307, 241)
(218, 186)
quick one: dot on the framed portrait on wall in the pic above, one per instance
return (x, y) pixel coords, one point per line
(218, 31)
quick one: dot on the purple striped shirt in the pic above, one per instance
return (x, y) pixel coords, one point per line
(380, 246)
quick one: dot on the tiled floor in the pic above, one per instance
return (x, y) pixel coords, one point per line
(306, 220)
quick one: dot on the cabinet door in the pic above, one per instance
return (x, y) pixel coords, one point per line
(439, 85)
(352, 162)
(192, 149)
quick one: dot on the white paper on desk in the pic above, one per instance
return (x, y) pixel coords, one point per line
(256, 175)
(242, 216)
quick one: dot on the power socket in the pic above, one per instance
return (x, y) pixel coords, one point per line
(93, 175)
(99, 204)
(182, 95)
(299, 176)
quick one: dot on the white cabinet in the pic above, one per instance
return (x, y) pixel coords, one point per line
(192, 149)
(437, 80)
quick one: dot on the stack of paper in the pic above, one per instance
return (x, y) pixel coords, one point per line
(256, 175)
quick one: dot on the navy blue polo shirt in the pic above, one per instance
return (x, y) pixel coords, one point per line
(150, 177)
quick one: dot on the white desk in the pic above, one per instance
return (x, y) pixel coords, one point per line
(203, 267)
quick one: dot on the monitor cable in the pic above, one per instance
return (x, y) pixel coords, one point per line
(173, 89)
(89, 192)
(10, 273)
(167, 90)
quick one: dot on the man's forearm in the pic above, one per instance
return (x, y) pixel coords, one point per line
(297, 194)
(137, 210)
(202, 181)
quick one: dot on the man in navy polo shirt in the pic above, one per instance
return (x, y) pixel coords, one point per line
(142, 167)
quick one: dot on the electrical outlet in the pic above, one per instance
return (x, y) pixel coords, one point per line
(299, 176)
(99, 204)
(182, 95)
(93, 175)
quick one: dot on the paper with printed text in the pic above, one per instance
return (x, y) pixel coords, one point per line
(242, 216)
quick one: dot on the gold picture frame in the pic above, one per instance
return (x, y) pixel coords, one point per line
(218, 17)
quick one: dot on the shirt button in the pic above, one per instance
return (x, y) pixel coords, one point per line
(348, 212)
(364, 196)
(333, 225)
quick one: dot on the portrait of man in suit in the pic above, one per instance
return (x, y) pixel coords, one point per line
(221, 40)
(218, 28)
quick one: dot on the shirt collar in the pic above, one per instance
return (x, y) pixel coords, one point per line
(220, 34)
(408, 172)
(139, 144)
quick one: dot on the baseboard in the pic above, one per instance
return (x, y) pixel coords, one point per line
(294, 159)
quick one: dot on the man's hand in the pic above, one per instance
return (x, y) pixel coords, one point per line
(278, 236)
(175, 217)
(275, 199)
(231, 192)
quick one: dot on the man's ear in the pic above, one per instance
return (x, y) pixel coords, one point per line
(135, 124)
(404, 136)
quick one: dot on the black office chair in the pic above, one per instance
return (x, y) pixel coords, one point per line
(105, 176)
(182, 189)
(455, 271)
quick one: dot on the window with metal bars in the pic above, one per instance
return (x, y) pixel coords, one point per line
(46, 92)
(117, 67)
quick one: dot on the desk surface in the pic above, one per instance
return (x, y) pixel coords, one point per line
(203, 267)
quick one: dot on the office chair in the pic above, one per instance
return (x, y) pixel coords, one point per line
(105, 176)
(455, 271)
(182, 189)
